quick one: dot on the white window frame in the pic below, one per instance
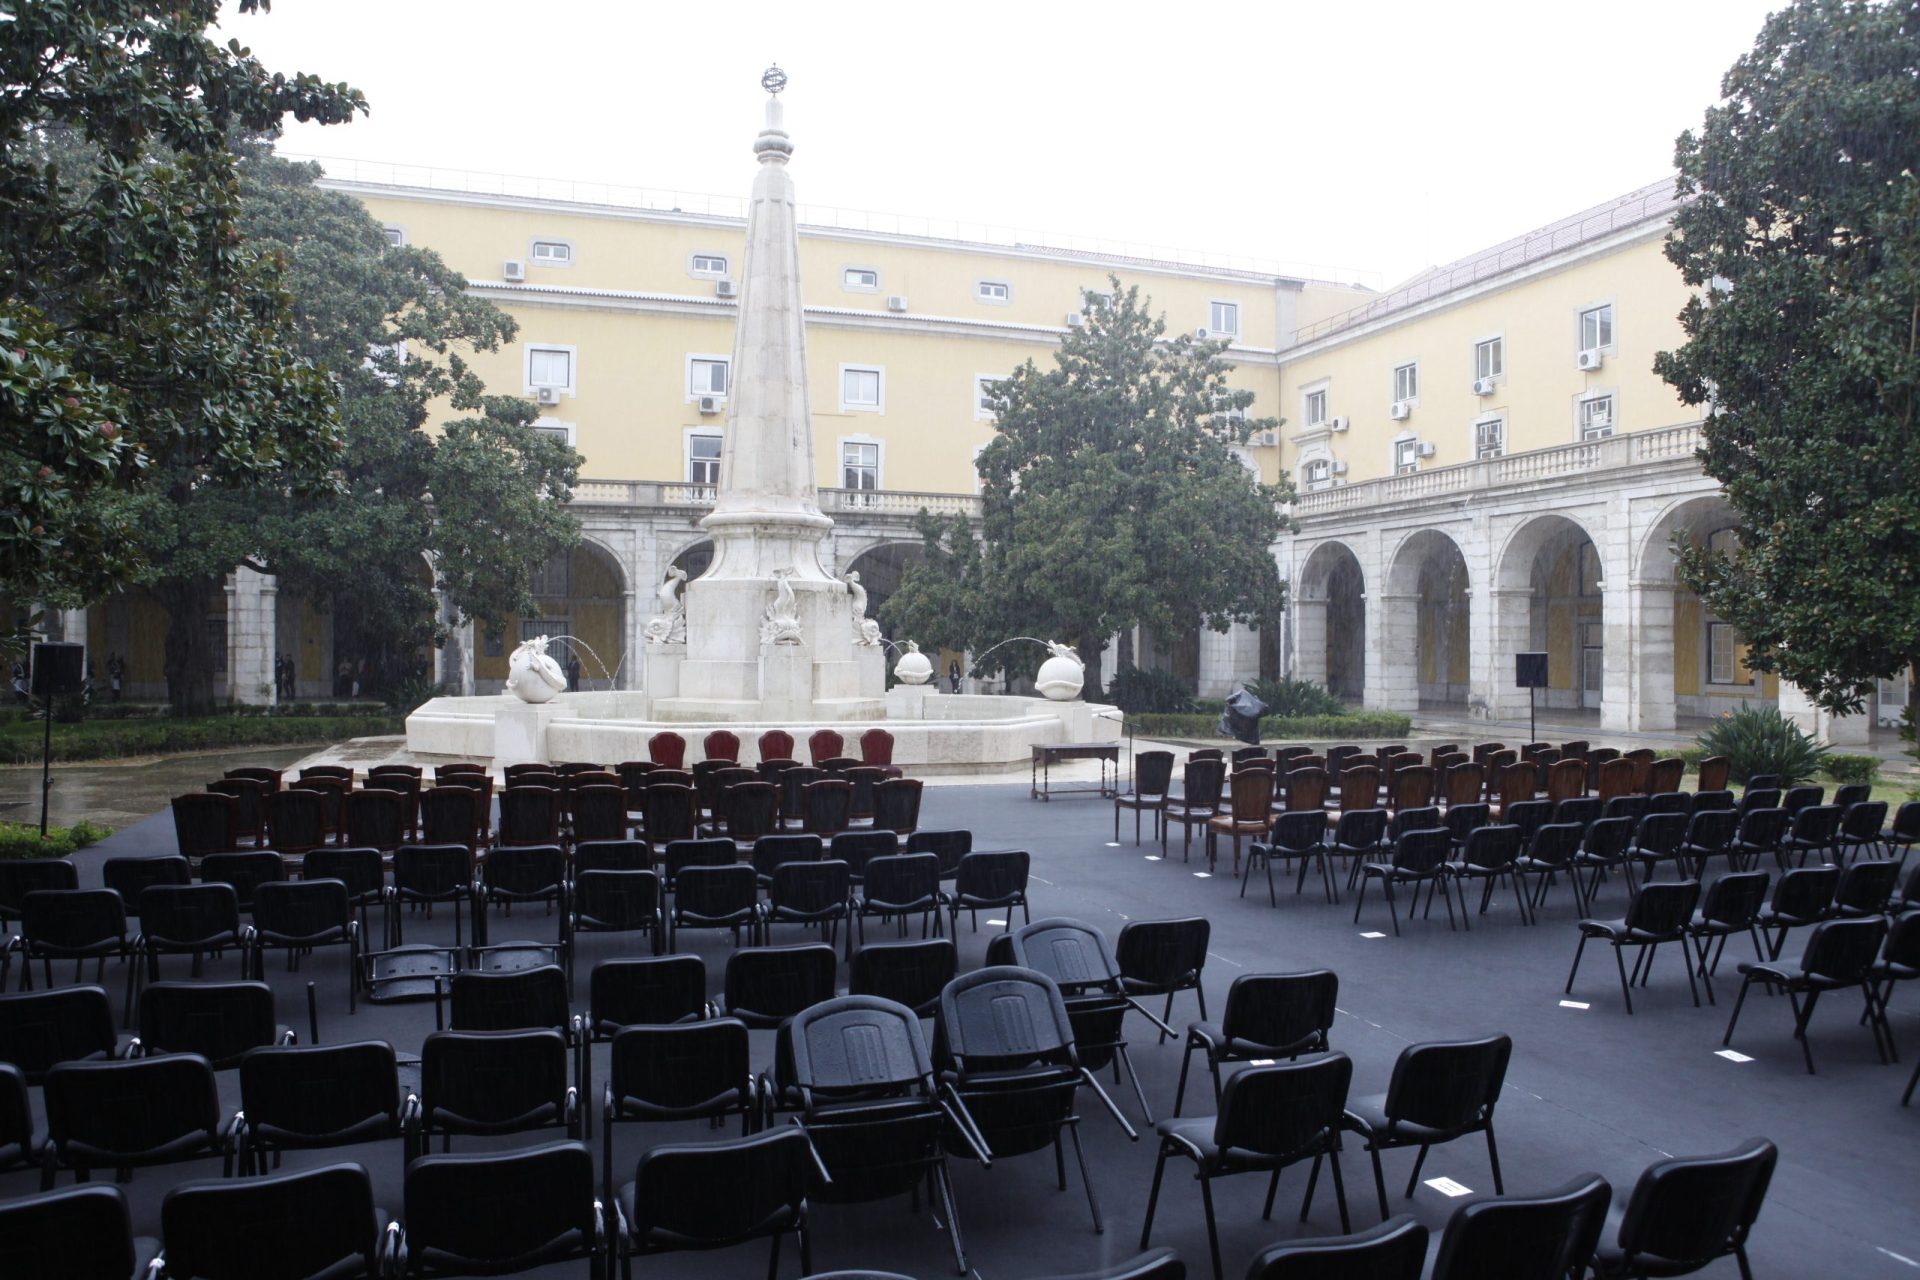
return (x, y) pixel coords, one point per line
(1497, 343)
(527, 349)
(1412, 369)
(1324, 391)
(396, 235)
(686, 379)
(879, 404)
(533, 252)
(687, 438)
(980, 412)
(974, 463)
(1498, 420)
(1406, 454)
(1611, 345)
(698, 272)
(1714, 628)
(1214, 306)
(1308, 484)
(1004, 298)
(879, 461)
(852, 286)
(1580, 406)
(554, 427)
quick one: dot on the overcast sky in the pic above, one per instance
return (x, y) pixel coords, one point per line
(1359, 134)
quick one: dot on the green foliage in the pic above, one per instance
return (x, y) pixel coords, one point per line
(1803, 242)
(1362, 726)
(1111, 498)
(1135, 690)
(1758, 739)
(1850, 768)
(115, 739)
(143, 345)
(1290, 698)
(19, 840)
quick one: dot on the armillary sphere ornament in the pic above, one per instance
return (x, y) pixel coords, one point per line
(774, 79)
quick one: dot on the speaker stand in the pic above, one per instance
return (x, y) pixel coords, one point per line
(46, 763)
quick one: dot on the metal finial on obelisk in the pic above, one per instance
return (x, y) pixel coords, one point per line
(773, 79)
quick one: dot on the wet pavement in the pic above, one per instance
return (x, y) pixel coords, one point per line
(121, 792)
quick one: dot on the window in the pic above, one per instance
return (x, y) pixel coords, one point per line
(1317, 473)
(553, 253)
(396, 234)
(552, 579)
(993, 291)
(561, 431)
(550, 366)
(708, 264)
(547, 624)
(494, 645)
(1489, 437)
(1317, 408)
(986, 391)
(1224, 317)
(1726, 656)
(706, 376)
(859, 465)
(217, 642)
(1596, 327)
(703, 459)
(860, 278)
(1406, 383)
(859, 389)
(1406, 457)
(1596, 418)
(1490, 358)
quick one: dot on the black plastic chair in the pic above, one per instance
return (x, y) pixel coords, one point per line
(1268, 1016)
(310, 1223)
(520, 1000)
(71, 924)
(1550, 853)
(764, 986)
(1545, 1237)
(949, 846)
(40, 1029)
(424, 875)
(90, 1126)
(244, 871)
(523, 876)
(485, 1083)
(911, 973)
(21, 876)
(21, 1147)
(529, 815)
(1164, 957)
(297, 916)
(717, 1195)
(616, 902)
(128, 877)
(1803, 897)
(1358, 836)
(79, 1233)
(1815, 830)
(990, 881)
(1152, 780)
(1440, 1091)
(1296, 837)
(771, 852)
(1732, 905)
(812, 893)
(685, 1071)
(550, 1214)
(1419, 857)
(1684, 1213)
(1865, 888)
(308, 1097)
(1489, 854)
(1394, 1250)
(1710, 834)
(1839, 954)
(653, 991)
(363, 871)
(1270, 1117)
(1658, 913)
(709, 897)
(898, 886)
(1760, 832)
(185, 919)
(858, 848)
(611, 855)
(1154, 1264)
(218, 1021)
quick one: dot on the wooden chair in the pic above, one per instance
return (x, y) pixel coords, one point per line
(250, 814)
(1575, 750)
(1247, 815)
(1464, 783)
(722, 744)
(1444, 749)
(876, 749)
(1337, 758)
(1493, 764)
(1482, 750)
(1196, 803)
(1642, 760)
(824, 745)
(1616, 779)
(1566, 780)
(1152, 780)
(1359, 789)
(776, 744)
(1518, 783)
(668, 750)
(1307, 788)
(1410, 787)
(1595, 758)
(1715, 773)
(1446, 760)
(1663, 776)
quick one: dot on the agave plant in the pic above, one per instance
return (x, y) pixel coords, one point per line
(1761, 740)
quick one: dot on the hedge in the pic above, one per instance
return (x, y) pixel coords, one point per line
(109, 739)
(1368, 724)
(18, 840)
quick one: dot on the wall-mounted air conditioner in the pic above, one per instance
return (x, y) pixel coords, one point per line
(1267, 439)
(1425, 450)
(1202, 333)
(1075, 319)
(1336, 424)
(897, 302)
(1340, 468)
(1399, 411)
(513, 270)
(1483, 386)
(547, 395)
(726, 289)
(1590, 360)
(709, 404)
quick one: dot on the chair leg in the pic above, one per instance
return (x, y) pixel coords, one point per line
(1803, 1014)
(1153, 1197)
(1577, 953)
(1126, 1058)
(1379, 1181)
(1339, 1186)
(1213, 1230)
(1413, 1179)
(1493, 1158)
(1086, 1179)
(1626, 985)
(945, 1183)
(1393, 908)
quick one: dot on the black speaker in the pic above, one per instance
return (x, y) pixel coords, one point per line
(58, 669)
(1529, 670)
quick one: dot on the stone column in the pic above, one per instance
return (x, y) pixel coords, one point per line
(252, 626)
(1510, 630)
(1228, 660)
(1833, 731)
(1643, 665)
(1393, 680)
(1310, 640)
(632, 626)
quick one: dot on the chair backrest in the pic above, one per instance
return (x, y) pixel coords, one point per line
(721, 744)
(1852, 793)
(1706, 800)
(205, 822)
(377, 818)
(1359, 828)
(1663, 907)
(612, 855)
(250, 801)
(857, 848)
(1816, 823)
(1074, 954)
(1464, 783)
(1281, 1009)
(1580, 809)
(1286, 1109)
(178, 915)
(858, 1044)
(681, 854)
(1712, 828)
(1525, 1237)
(1555, 842)
(1163, 953)
(1422, 852)
(1615, 778)
(1760, 798)
(87, 1109)
(533, 871)
(1405, 820)
(1687, 1211)
(864, 779)
(72, 918)
(494, 1081)
(1252, 796)
(686, 1067)
(1359, 787)
(1394, 1250)
(912, 973)
(1152, 773)
(129, 876)
(667, 749)
(1201, 782)
(776, 744)
(829, 806)
(1806, 893)
(1300, 832)
(1665, 775)
(362, 871)
(1661, 833)
(876, 747)
(1337, 758)
(647, 990)
(529, 815)
(1864, 818)
(458, 767)
(825, 744)
(896, 804)
(1841, 950)
(903, 879)
(447, 814)
(77, 1233)
(550, 1189)
(1736, 899)
(1464, 819)
(1715, 773)
(1566, 779)
(815, 886)
(509, 1000)
(1607, 839)
(1448, 1085)
(437, 872)
(772, 852)
(1798, 798)
(993, 875)
(1492, 846)
(219, 1021)
(1518, 782)
(1005, 1014)
(302, 910)
(615, 900)
(711, 1194)
(271, 777)
(21, 876)
(1866, 886)
(301, 1223)
(322, 1094)
(1306, 789)
(765, 985)
(599, 811)
(39, 1029)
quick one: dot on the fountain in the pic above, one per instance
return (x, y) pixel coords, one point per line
(767, 637)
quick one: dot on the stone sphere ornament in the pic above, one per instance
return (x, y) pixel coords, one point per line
(1062, 676)
(532, 676)
(914, 666)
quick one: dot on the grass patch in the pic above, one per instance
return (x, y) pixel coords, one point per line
(111, 739)
(18, 840)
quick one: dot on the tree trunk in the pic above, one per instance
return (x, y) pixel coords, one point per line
(189, 655)
(1089, 647)
(1124, 657)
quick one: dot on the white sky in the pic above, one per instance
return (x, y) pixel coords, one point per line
(1359, 134)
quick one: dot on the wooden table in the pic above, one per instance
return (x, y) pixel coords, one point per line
(1039, 778)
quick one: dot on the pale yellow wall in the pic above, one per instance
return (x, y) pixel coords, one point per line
(1538, 318)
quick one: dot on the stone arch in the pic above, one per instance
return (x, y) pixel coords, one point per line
(1426, 612)
(881, 565)
(1707, 658)
(694, 556)
(1330, 619)
(1547, 596)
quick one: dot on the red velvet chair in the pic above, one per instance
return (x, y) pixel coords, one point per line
(825, 744)
(776, 744)
(669, 750)
(876, 748)
(722, 744)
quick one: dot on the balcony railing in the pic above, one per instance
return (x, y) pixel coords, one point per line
(665, 493)
(1664, 444)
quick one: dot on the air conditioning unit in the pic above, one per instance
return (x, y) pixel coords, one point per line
(1340, 468)
(709, 404)
(513, 270)
(1400, 411)
(726, 289)
(547, 395)
(1483, 386)
(1075, 319)
(1267, 439)
(1202, 333)
(1336, 424)
(1425, 450)
(1589, 360)
(897, 302)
